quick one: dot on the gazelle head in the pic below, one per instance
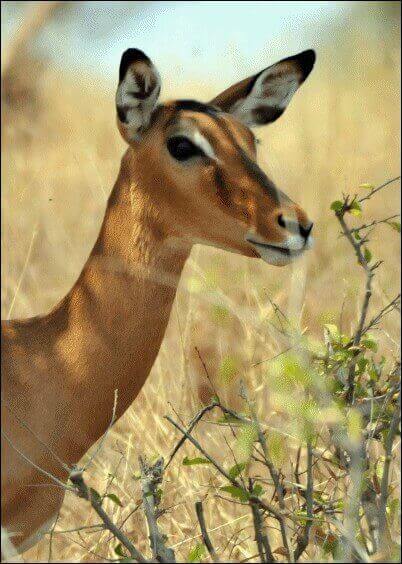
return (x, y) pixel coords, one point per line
(198, 160)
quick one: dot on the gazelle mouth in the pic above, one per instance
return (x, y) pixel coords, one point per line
(282, 250)
(279, 255)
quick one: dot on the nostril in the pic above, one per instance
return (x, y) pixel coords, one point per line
(281, 220)
(305, 231)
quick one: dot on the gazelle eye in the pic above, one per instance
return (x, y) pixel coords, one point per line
(182, 149)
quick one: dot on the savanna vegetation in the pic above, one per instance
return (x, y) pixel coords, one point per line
(284, 383)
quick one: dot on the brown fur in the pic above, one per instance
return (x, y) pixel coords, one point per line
(60, 370)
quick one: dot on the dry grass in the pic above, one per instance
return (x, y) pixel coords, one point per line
(58, 168)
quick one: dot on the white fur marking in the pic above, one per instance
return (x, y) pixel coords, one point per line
(203, 144)
(138, 112)
(270, 91)
(190, 131)
(8, 551)
(295, 243)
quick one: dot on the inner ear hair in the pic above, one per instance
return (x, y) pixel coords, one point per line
(137, 93)
(263, 97)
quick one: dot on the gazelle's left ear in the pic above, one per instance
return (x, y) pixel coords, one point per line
(137, 93)
(262, 98)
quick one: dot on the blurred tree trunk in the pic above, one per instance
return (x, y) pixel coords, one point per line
(36, 17)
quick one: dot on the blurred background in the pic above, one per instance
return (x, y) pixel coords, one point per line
(61, 153)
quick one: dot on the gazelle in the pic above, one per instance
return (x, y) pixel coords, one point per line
(189, 176)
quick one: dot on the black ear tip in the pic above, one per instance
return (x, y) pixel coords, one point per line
(306, 61)
(128, 57)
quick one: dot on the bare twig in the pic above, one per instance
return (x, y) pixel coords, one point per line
(272, 470)
(83, 491)
(369, 270)
(258, 531)
(393, 429)
(304, 539)
(193, 423)
(38, 468)
(205, 536)
(42, 443)
(51, 533)
(269, 508)
(394, 304)
(373, 223)
(151, 477)
(374, 190)
(96, 528)
(263, 545)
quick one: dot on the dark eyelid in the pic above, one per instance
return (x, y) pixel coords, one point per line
(191, 149)
(184, 137)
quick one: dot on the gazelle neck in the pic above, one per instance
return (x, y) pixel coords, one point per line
(110, 326)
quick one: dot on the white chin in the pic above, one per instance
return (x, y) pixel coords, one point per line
(276, 258)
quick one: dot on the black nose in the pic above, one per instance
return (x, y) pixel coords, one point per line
(305, 231)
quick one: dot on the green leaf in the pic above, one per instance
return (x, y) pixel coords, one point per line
(339, 504)
(158, 494)
(114, 498)
(275, 443)
(196, 553)
(229, 420)
(366, 186)
(356, 235)
(237, 469)
(355, 208)
(333, 331)
(395, 225)
(393, 508)
(257, 490)
(119, 550)
(245, 441)
(228, 369)
(220, 314)
(362, 364)
(330, 546)
(370, 344)
(193, 461)
(354, 425)
(302, 516)
(367, 255)
(236, 492)
(337, 206)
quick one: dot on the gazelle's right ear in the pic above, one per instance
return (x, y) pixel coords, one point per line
(263, 97)
(137, 93)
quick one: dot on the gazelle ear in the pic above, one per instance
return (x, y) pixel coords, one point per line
(262, 98)
(137, 93)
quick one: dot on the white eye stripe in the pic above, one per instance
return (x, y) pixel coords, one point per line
(201, 142)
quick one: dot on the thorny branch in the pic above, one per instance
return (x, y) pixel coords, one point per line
(83, 491)
(303, 541)
(358, 454)
(364, 261)
(272, 470)
(279, 515)
(205, 536)
(388, 458)
(151, 477)
(373, 503)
